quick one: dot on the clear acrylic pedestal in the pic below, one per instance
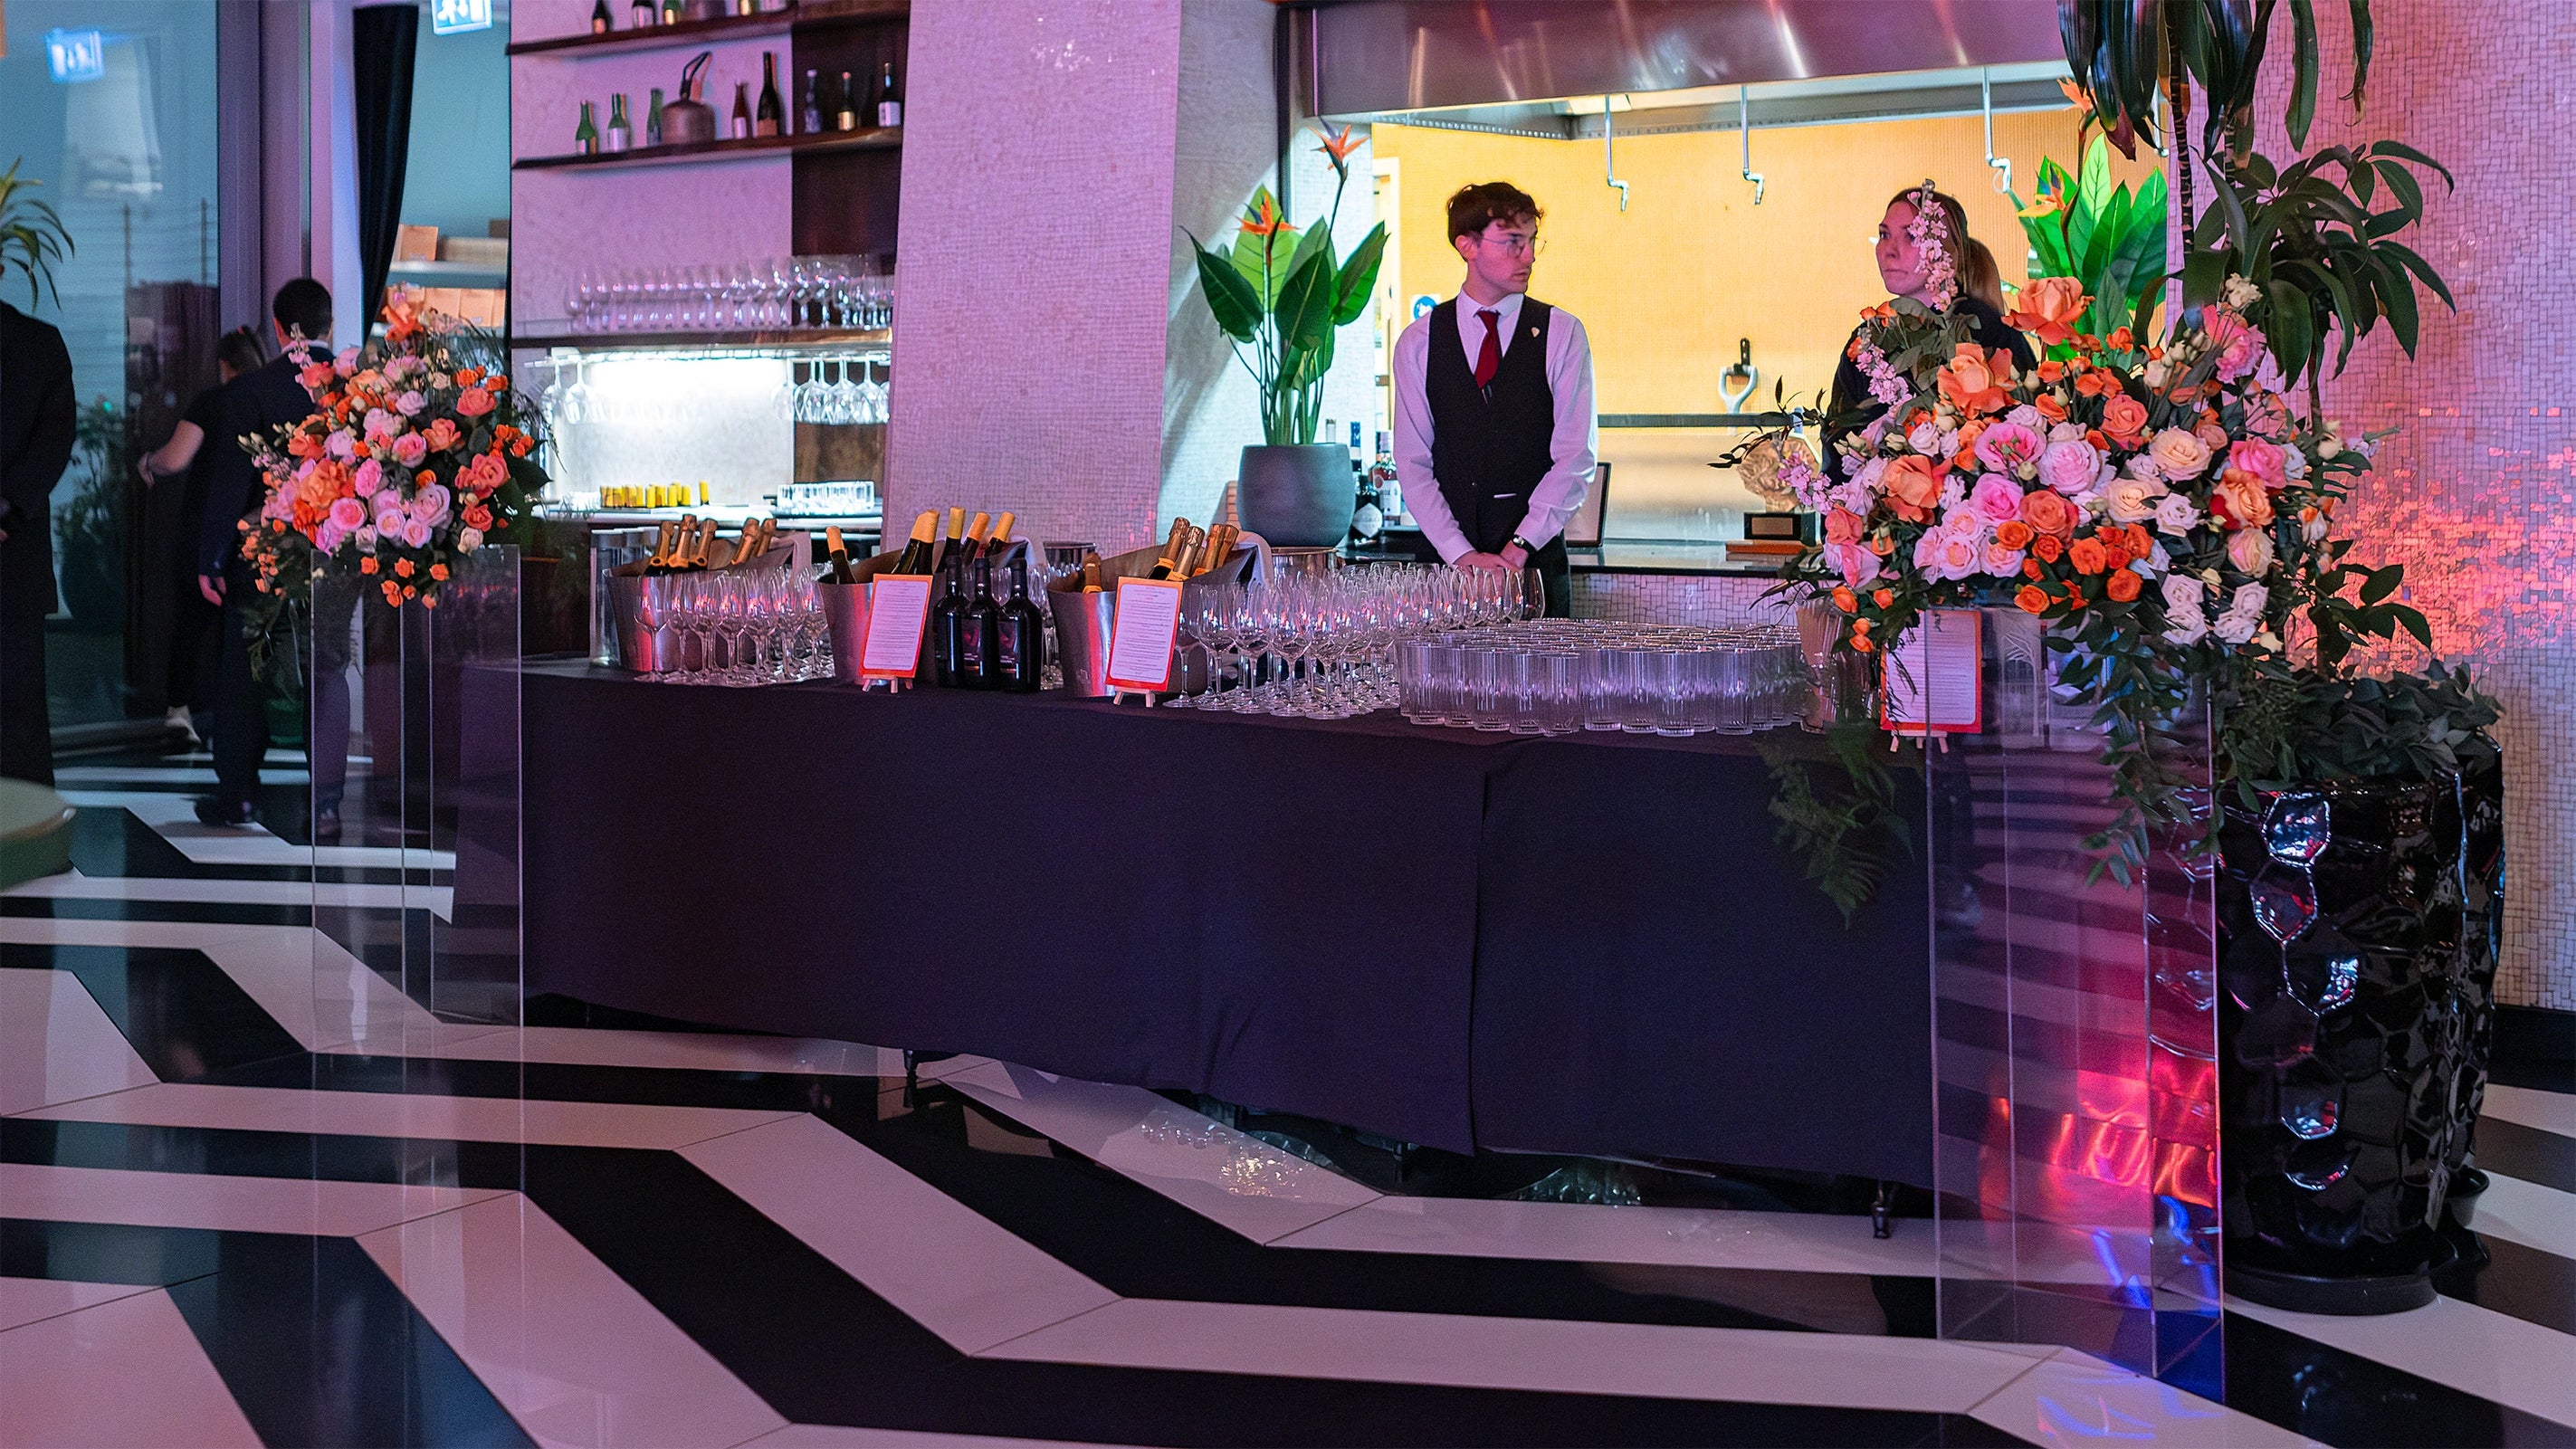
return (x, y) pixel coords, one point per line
(2075, 1038)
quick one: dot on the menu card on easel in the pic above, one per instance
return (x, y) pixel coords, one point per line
(1149, 618)
(898, 606)
(1933, 676)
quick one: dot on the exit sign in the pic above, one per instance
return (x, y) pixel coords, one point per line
(75, 55)
(451, 17)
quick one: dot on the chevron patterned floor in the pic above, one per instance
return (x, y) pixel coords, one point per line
(252, 1192)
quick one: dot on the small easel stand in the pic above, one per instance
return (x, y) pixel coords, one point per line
(1121, 696)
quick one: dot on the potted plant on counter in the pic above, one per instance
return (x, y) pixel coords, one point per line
(1279, 296)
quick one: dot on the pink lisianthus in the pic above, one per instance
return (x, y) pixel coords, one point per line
(2008, 447)
(382, 424)
(346, 364)
(340, 445)
(410, 449)
(1995, 498)
(410, 404)
(2070, 467)
(369, 479)
(2263, 460)
(330, 536)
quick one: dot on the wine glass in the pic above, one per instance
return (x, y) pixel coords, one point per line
(873, 395)
(848, 402)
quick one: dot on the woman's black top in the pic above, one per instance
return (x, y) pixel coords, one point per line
(1851, 390)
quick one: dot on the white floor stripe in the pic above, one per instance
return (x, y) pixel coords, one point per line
(2075, 1399)
(1656, 1236)
(127, 1372)
(948, 1268)
(2476, 1350)
(2548, 1111)
(575, 1355)
(411, 1115)
(32, 1300)
(2528, 1213)
(56, 1045)
(174, 818)
(94, 775)
(682, 1050)
(72, 885)
(201, 1200)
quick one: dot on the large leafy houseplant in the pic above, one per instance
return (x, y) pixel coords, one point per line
(32, 237)
(1281, 294)
(2108, 238)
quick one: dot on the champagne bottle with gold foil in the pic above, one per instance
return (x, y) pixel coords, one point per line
(839, 553)
(1169, 559)
(916, 554)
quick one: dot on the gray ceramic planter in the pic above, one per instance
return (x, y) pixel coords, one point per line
(1297, 495)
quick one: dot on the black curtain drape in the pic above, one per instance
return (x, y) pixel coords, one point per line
(381, 57)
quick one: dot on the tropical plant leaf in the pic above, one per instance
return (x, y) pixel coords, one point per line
(2287, 327)
(2422, 269)
(1233, 299)
(1358, 278)
(2364, 40)
(2396, 298)
(1305, 308)
(2303, 71)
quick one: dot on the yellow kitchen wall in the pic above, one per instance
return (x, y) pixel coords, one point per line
(1667, 287)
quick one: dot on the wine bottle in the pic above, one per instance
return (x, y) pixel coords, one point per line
(889, 98)
(947, 627)
(1390, 494)
(1019, 641)
(653, 119)
(1189, 553)
(956, 535)
(621, 131)
(811, 122)
(741, 110)
(600, 24)
(839, 553)
(1000, 538)
(979, 631)
(1169, 559)
(585, 137)
(770, 118)
(641, 15)
(847, 118)
(975, 532)
(916, 554)
(1091, 574)
(1220, 547)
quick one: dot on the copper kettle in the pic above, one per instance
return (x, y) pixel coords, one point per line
(690, 120)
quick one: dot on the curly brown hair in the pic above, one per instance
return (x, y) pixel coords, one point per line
(1476, 207)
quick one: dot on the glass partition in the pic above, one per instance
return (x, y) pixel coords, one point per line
(2075, 1036)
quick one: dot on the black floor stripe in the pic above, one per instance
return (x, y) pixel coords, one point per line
(2520, 1282)
(2353, 1402)
(2527, 1153)
(311, 1339)
(179, 1011)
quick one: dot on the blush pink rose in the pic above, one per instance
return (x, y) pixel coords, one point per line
(2070, 467)
(1856, 563)
(410, 449)
(2239, 344)
(348, 514)
(1842, 526)
(369, 477)
(1995, 498)
(474, 402)
(2002, 562)
(2007, 447)
(2263, 460)
(416, 533)
(429, 505)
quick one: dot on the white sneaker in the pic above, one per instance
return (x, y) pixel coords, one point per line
(177, 721)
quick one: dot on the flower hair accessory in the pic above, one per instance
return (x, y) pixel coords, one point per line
(1932, 243)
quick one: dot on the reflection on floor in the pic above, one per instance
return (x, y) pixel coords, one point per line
(254, 1190)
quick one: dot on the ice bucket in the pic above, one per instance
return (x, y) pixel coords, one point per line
(1086, 623)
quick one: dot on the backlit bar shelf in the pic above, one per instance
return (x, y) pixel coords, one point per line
(780, 342)
(866, 138)
(711, 32)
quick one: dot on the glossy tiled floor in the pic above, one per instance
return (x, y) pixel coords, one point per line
(252, 1191)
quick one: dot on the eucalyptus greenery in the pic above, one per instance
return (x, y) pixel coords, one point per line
(32, 238)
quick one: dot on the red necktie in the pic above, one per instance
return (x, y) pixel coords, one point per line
(1490, 359)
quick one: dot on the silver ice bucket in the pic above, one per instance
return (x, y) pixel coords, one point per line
(1085, 624)
(641, 606)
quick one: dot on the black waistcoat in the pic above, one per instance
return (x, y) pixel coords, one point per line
(1489, 445)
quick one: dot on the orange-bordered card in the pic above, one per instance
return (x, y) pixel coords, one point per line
(1149, 619)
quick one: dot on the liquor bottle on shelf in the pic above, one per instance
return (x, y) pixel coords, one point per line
(585, 137)
(1168, 561)
(889, 98)
(839, 553)
(1390, 495)
(947, 627)
(641, 15)
(653, 119)
(1092, 582)
(810, 123)
(915, 558)
(600, 23)
(847, 117)
(979, 631)
(742, 110)
(769, 118)
(670, 12)
(621, 132)
(1359, 463)
(1019, 638)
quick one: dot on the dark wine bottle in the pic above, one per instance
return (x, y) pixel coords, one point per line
(770, 117)
(1170, 557)
(979, 632)
(847, 118)
(889, 98)
(1019, 649)
(741, 110)
(585, 136)
(947, 628)
(839, 553)
(956, 536)
(1000, 538)
(916, 554)
(641, 15)
(975, 531)
(811, 122)
(600, 23)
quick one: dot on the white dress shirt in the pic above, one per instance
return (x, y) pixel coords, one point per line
(1569, 378)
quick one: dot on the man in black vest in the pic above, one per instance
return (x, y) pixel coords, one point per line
(37, 422)
(1494, 428)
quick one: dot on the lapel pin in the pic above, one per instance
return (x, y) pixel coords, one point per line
(1533, 332)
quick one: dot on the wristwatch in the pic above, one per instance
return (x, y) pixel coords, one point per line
(1523, 544)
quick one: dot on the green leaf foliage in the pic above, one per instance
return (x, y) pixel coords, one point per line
(32, 237)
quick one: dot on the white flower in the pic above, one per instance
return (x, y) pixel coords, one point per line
(1953, 492)
(2238, 293)
(2188, 627)
(1926, 439)
(2141, 466)
(468, 539)
(2250, 549)
(2028, 417)
(2066, 432)
(2294, 464)
(2314, 529)
(2236, 628)
(2155, 374)
(2175, 515)
(2183, 594)
(365, 534)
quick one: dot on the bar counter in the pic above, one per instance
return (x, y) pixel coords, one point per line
(1588, 945)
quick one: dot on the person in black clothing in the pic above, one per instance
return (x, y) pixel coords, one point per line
(193, 642)
(255, 404)
(1902, 267)
(37, 422)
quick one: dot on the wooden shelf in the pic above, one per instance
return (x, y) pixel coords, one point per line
(813, 15)
(869, 138)
(800, 340)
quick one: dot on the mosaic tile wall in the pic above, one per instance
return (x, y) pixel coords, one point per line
(2474, 494)
(1033, 286)
(1677, 599)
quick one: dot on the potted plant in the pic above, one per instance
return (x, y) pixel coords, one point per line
(32, 238)
(1279, 296)
(89, 532)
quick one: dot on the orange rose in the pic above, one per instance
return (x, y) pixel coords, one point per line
(2240, 500)
(2140, 543)
(402, 568)
(1913, 483)
(1860, 626)
(1847, 601)
(367, 565)
(2032, 598)
(2120, 339)
(2013, 533)
(2124, 585)
(1882, 597)
(438, 572)
(2051, 370)
(2087, 555)
(2049, 547)
(2049, 407)
(1968, 381)
(1860, 643)
(2124, 417)
(2030, 568)
(2048, 309)
(2048, 512)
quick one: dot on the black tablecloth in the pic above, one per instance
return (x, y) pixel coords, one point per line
(1585, 945)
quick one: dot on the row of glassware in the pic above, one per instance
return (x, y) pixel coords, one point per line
(1560, 676)
(773, 294)
(841, 396)
(1316, 647)
(741, 627)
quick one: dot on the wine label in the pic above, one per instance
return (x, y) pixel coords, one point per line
(1149, 618)
(1933, 676)
(898, 612)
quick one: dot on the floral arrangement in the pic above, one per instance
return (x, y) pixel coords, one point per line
(2156, 503)
(412, 459)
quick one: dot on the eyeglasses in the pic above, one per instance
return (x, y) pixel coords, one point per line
(1514, 244)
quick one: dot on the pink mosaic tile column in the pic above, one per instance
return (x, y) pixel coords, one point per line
(2475, 494)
